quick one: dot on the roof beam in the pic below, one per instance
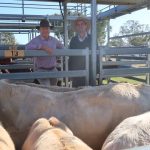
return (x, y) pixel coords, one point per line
(107, 2)
(34, 17)
(119, 11)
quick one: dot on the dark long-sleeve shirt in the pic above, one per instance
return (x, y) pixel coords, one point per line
(75, 43)
(78, 62)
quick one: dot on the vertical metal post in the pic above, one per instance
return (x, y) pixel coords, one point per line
(148, 75)
(28, 37)
(77, 8)
(108, 43)
(85, 9)
(108, 33)
(81, 9)
(23, 17)
(94, 40)
(87, 66)
(66, 37)
(148, 65)
(101, 66)
(23, 7)
(34, 32)
(33, 35)
(0, 38)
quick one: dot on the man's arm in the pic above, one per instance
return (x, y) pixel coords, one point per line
(32, 45)
(47, 49)
(35, 45)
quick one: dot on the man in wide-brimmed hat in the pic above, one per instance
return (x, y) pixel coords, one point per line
(47, 43)
(81, 40)
(84, 22)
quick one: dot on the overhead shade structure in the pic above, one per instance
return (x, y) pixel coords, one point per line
(107, 2)
(120, 10)
(34, 17)
(114, 2)
(17, 26)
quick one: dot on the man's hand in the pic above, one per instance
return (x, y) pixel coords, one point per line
(47, 49)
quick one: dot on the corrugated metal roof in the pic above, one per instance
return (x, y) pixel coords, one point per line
(114, 2)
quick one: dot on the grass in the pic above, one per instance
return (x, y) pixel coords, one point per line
(128, 80)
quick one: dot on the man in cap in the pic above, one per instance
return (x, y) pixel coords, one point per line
(47, 43)
(81, 40)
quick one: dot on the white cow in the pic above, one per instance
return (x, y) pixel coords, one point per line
(132, 132)
(6, 142)
(52, 135)
(91, 113)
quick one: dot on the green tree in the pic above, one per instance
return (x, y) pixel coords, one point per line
(7, 38)
(59, 30)
(133, 27)
(117, 42)
(129, 28)
(101, 32)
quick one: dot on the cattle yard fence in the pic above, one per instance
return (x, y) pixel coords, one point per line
(23, 64)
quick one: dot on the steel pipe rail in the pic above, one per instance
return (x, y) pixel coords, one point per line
(124, 72)
(118, 66)
(146, 147)
(57, 52)
(35, 17)
(42, 75)
(20, 31)
(125, 51)
(113, 2)
(41, 53)
(17, 66)
(130, 35)
(119, 63)
(129, 57)
(7, 47)
(18, 25)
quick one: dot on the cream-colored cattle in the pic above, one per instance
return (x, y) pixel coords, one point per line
(52, 135)
(91, 113)
(6, 142)
(132, 132)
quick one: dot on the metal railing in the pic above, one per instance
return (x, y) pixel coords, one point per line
(146, 147)
(37, 53)
(122, 68)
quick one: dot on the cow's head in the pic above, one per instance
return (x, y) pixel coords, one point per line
(58, 124)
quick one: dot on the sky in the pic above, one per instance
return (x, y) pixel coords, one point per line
(143, 16)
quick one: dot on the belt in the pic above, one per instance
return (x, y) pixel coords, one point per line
(47, 68)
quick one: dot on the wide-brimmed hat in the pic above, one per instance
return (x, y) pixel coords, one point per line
(85, 20)
(44, 23)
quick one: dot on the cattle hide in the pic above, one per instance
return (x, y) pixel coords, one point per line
(52, 135)
(91, 113)
(132, 132)
(6, 142)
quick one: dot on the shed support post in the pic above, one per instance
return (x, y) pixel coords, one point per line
(66, 37)
(94, 41)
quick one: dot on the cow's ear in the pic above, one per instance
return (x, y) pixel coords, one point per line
(58, 124)
(54, 121)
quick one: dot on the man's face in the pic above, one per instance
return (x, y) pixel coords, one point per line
(81, 27)
(44, 32)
